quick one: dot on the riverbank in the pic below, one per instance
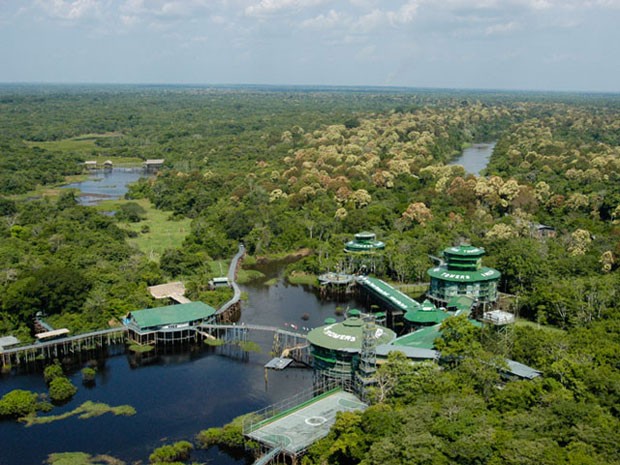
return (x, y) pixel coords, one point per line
(475, 157)
(255, 268)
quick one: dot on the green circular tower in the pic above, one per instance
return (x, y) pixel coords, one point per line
(462, 273)
(364, 242)
(336, 347)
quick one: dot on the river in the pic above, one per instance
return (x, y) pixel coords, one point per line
(476, 157)
(178, 395)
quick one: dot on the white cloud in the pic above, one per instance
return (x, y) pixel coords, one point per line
(405, 13)
(162, 9)
(71, 10)
(322, 21)
(276, 7)
(379, 18)
(370, 21)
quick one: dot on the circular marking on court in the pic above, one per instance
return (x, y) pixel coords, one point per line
(315, 421)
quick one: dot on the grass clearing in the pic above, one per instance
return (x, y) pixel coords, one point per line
(161, 232)
(84, 144)
(219, 267)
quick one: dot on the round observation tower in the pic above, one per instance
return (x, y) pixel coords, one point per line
(364, 242)
(336, 347)
(364, 253)
(462, 273)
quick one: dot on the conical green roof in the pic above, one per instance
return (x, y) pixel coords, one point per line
(427, 313)
(347, 335)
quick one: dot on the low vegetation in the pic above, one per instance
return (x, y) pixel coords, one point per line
(85, 411)
(229, 435)
(172, 453)
(81, 458)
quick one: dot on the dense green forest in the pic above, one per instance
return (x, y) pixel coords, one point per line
(282, 169)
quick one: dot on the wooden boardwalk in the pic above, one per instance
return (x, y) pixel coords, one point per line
(49, 350)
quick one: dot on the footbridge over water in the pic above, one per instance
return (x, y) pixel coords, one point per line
(66, 346)
(285, 343)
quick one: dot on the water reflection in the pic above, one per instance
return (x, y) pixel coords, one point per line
(107, 184)
(475, 158)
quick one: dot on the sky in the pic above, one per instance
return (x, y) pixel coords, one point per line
(563, 45)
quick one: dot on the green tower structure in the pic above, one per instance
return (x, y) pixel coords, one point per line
(364, 242)
(364, 253)
(462, 273)
(337, 348)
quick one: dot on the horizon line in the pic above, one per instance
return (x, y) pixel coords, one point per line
(301, 86)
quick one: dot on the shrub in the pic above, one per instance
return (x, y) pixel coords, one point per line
(177, 452)
(18, 403)
(61, 389)
(88, 375)
(52, 372)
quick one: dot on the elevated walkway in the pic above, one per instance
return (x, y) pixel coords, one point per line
(270, 329)
(268, 457)
(232, 274)
(48, 350)
(392, 297)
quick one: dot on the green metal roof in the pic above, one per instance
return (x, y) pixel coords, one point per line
(422, 338)
(465, 251)
(462, 303)
(427, 313)
(483, 274)
(171, 315)
(364, 242)
(384, 290)
(425, 317)
(365, 236)
(355, 246)
(347, 336)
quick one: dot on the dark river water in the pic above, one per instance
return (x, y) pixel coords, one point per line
(475, 158)
(107, 184)
(177, 395)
